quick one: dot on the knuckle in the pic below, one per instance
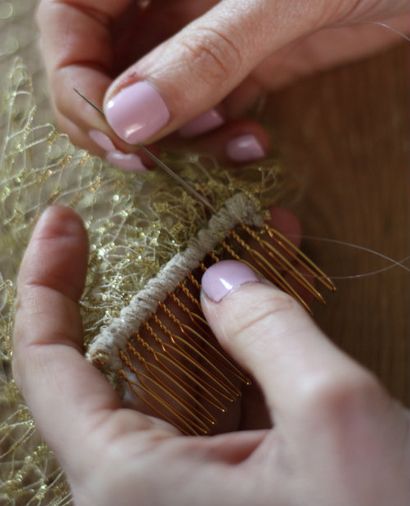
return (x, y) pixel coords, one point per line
(211, 55)
(332, 399)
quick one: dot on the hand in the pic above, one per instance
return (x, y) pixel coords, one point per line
(194, 65)
(338, 438)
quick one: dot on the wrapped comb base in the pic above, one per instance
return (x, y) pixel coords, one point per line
(161, 350)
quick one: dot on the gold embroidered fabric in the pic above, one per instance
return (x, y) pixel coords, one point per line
(136, 224)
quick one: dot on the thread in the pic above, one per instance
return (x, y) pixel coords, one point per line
(391, 29)
(400, 264)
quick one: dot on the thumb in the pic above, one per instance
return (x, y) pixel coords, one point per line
(299, 370)
(198, 67)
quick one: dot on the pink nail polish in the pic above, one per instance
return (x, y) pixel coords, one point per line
(102, 140)
(245, 148)
(201, 124)
(137, 112)
(224, 277)
(127, 162)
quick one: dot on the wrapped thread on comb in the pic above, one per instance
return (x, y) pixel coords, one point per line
(160, 348)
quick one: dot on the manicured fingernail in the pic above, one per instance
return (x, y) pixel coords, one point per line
(223, 277)
(201, 124)
(102, 140)
(127, 162)
(245, 148)
(137, 112)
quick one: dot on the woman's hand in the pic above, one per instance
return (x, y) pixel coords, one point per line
(193, 65)
(338, 438)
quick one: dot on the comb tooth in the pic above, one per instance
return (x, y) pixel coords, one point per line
(178, 381)
(206, 340)
(185, 329)
(208, 381)
(185, 428)
(143, 398)
(284, 263)
(234, 389)
(206, 394)
(223, 391)
(183, 412)
(214, 256)
(195, 318)
(188, 294)
(186, 416)
(231, 252)
(191, 411)
(297, 254)
(270, 271)
(182, 351)
(194, 281)
(209, 397)
(204, 335)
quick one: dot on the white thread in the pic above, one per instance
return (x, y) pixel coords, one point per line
(113, 338)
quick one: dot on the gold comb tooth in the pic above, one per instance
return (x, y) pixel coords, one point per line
(209, 396)
(190, 341)
(297, 254)
(205, 394)
(284, 263)
(206, 339)
(134, 387)
(195, 317)
(270, 271)
(192, 410)
(183, 416)
(224, 391)
(228, 249)
(214, 256)
(185, 290)
(174, 418)
(159, 357)
(178, 380)
(185, 428)
(234, 390)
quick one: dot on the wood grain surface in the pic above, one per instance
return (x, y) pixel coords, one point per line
(345, 135)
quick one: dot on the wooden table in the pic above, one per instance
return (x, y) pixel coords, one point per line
(345, 135)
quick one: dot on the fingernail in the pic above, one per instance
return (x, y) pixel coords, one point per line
(102, 140)
(245, 148)
(137, 112)
(204, 123)
(128, 162)
(224, 277)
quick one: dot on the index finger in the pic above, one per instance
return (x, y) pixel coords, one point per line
(77, 48)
